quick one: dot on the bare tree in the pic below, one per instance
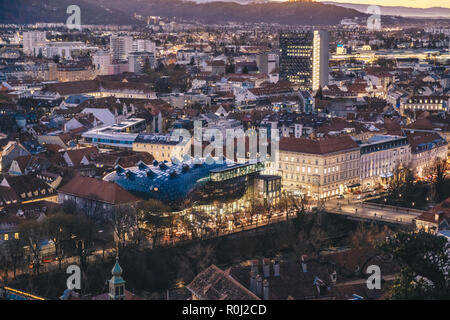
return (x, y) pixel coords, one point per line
(16, 253)
(32, 233)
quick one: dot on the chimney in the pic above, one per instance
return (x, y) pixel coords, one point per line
(276, 267)
(253, 281)
(304, 265)
(258, 285)
(266, 267)
(265, 290)
(255, 266)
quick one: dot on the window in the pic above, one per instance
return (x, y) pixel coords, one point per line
(6, 237)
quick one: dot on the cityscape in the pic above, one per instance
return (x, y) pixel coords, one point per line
(224, 150)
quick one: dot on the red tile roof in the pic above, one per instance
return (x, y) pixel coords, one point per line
(322, 146)
(95, 189)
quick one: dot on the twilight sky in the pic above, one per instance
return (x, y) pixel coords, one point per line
(403, 3)
(392, 3)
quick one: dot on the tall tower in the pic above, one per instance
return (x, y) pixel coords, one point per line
(120, 46)
(116, 283)
(304, 59)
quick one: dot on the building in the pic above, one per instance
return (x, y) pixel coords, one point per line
(267, 62)
(216, 284)
(162, 147)
(146, 45)
(325, 167)
(426, 147)
(75, 72)
(34, 42)
(96, 198)
(120, 135)
(209, 185)
(120, 46)
(12, 151)
(138, 61)
(380, 155)
(217, 67)
(425, 103)
(67, 50)
(304, 59)
(102, 61)
(435, 219)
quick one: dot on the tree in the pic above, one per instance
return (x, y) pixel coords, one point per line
(124, 222)
(368, 237)
(31, 234)
(439, 174)
(56, 58)
(245, 70)
(60, 228)
(15, 253)
(151, 217)
(424, 261)
(195, 260)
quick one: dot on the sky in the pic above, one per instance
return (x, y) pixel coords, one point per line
(403, 3)
(392, 3)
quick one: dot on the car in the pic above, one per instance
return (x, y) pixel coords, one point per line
(341, 196)
(47, 259)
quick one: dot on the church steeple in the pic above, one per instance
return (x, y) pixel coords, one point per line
(116, 283)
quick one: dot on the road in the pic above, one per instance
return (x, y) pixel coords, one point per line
(380, 213)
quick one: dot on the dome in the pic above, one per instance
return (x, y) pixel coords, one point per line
(117, 270)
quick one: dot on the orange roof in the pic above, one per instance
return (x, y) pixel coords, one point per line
(322, 146)
(95, 189)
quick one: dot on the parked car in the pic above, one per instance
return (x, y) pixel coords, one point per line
(47, 259)
(341, 196)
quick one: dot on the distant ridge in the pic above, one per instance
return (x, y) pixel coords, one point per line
(434, 12)
(122, 11)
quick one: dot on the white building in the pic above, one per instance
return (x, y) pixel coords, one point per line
(138, 60)
(321, 58)
(140, 45)
(380, 156)
(120, 135)
(102, 62)
(120, 46)
(66, 50)
(34, 42)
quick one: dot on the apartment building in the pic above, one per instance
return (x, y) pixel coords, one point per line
(326, 167)
(380, 155)
(426, 103)
(162, 147)
(426, 147)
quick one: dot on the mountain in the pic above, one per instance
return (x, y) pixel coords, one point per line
(290, 13)
(121, 12)
(434, 12)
